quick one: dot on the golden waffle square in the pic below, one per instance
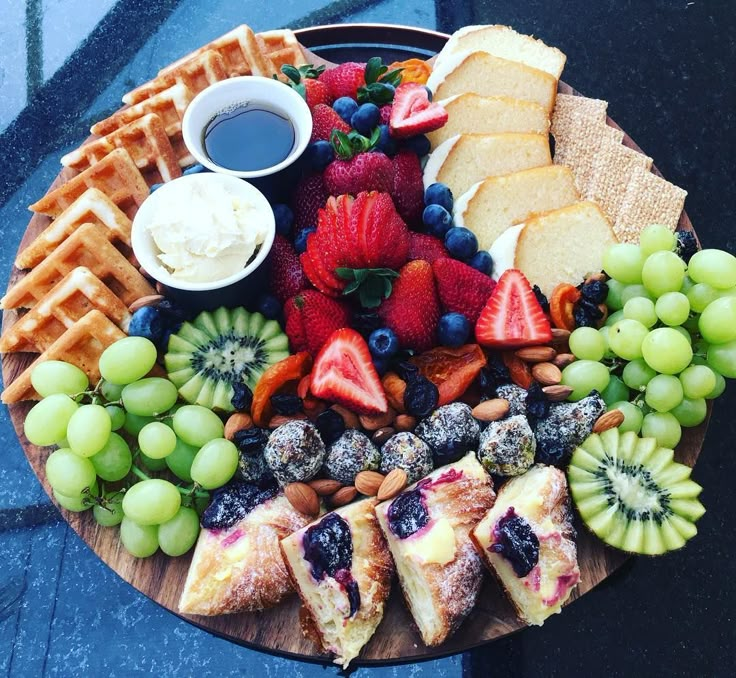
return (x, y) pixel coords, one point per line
(115, 175)
(281, 47)
(87, 246)
(79, 292)
(145, 140)
(81, 345)
(93, 207)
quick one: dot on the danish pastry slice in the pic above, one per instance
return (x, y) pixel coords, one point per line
(237, 564)
(342, 571)
(527, 541)
(427, 529)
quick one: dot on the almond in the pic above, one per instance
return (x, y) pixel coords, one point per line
(405, 422)
(547, 373)
(563, 359)
(559, 334)
(238, 421)
(324, 487)
(280, 419)
(343, 496)
(372, 422)
(491, 410)
(303, 498)
(350, 418)
(392, 484)
(610, 419)
(536, 354)
(557, 393)
(148, 300)
(382, 435)
(368, 482)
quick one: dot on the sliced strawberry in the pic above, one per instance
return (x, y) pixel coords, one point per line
(413, 113)
(513, 317)
(427, 247)
(383, 235)
(316, 271)
(344, 373)
(461, 288)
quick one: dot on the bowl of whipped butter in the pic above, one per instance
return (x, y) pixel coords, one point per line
(204, 237)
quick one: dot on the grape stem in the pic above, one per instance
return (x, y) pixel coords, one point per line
(192, 490)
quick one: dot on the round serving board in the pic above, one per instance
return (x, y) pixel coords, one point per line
(277, 630)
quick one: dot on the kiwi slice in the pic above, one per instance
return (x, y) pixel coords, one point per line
(209, 355)
(632, 494)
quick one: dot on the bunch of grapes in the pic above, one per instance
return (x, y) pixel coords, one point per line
(670, 338)
(111, 437)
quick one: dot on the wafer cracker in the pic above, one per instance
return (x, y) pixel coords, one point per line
(570, 105)
(649, 199)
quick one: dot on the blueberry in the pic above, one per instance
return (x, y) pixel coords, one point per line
(318, 155)
(437, 220)
(300, 241)
(330, 425)
(146, 322)
(365, 322)
(270, 306)
(595, 291)
(439, 194)
(407, 514)
(386, 144)
(461, 243)
(482, 261)
(328, 546)
(172, 312)
(345, 107)
(383, 343)
(284, 218)
(365, 119)
(194, 169)
(381, 365)
(515, 540)
(453, 330)
(419, 145)
(242, 396)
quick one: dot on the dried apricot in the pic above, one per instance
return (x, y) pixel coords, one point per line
(519, 371)
(413, 70)
(562, 306)
(273, 380)
(394, 386)
(452, 370)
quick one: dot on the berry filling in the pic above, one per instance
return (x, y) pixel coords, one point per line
(233, 502)
(515, 540)
(407, 514)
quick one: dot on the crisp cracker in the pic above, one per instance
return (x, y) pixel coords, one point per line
(568, 106)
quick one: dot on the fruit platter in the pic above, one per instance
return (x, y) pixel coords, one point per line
(371, 360)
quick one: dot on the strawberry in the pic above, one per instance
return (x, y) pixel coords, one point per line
(413, 113)
(385, 112)
(304, 80)
(512, 317)
(461, 288)
(309, 197)
(316, 92)
(412, 311)
(344, 373)
(363, 172)
(324, 120)
(408, 189)
(427, 247)
(286, 277)
(311, 317)
(344, 79)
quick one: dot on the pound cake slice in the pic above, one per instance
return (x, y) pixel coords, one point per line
(527, 541)
(466, 159)
(495, 204)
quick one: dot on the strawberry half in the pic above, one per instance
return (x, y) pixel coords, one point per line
(286, 276)
(461, 288)
(311, 317)
(413, 113)
(512, 317)
(344, 373)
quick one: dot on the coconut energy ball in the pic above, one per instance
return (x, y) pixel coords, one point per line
(450, 431)
(294, 452)
(350, 454)
(409, 452)
(507, 446)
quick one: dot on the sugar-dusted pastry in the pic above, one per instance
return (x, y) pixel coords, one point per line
(342, 571)
(526, 540)
(237, 564)
(427, 527)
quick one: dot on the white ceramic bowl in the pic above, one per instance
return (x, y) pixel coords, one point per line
(248, 88)
(146, 251)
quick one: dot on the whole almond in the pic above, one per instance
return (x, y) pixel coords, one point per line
(303, 498)
(382, 435)
(559, 334)
(563, 359)
(368, 482)
(547, 373)
(148, 300)
(392, 484)
(491, 410)
(536, 354)
(610, 419)
(405, 422)
(324, 487)
(279, 419)
(238, 421)
(557, 393)
(350, 418)
(343, 496)
(372, 422)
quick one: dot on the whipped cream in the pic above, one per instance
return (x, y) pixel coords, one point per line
(503, 250)
(436, 159)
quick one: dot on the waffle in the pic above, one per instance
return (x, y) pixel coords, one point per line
(79, 292)
(94, 207)
(281, 47)
(81, 345)
(115, 175)
(89, 247)
(145, 140)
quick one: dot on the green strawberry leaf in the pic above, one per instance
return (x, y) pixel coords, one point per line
(352, 287)
(342, 144)
(372, 284)
(375, 136)
(374, 69)
(392, 77)
(311, 71)
(377, 93)
(292, 73)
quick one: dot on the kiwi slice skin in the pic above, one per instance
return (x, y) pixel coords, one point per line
(218, 349)
(632, 494)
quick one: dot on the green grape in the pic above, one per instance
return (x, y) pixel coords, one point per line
(626, 338)
(687, 285)
(663, 393)
(114, 460)
(655, 238)
(151, 502)
(152, 464)
(615, 391)
(47, 422)
(666, 350)
(69, 473)
(672, 308)
(217, 460)
(140, 541)
(664, 427)
(713, 267)
(127, 360)
(613, 299)
(637, 374)
(178, 535)
(717, 323)
(604, 331)
(180, 460)
(641, 309)
(88, 430)
(111, 392)
(614, 318)
(635, 292)
(584, 376)
(623, 262)
(156, 440)
(691, 412)
(149, 397)
(134, 423)
(722, 358)
(196, 425)
(730, 292)
(697, 381)
(700, 295)
(719, 388)
(587, 343)
(663, 272)
(55, 376)
(111, 513)
(633, 416)
(691, 324)
(117, 416)
(683, 332)
(78, 503)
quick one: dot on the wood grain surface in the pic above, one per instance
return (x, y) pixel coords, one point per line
(277, 630)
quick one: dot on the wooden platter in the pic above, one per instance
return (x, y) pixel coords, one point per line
(161, 578)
